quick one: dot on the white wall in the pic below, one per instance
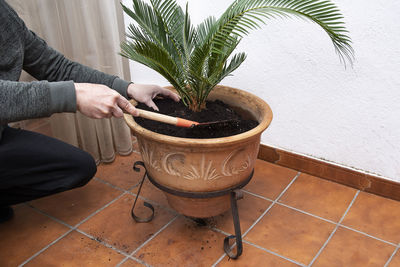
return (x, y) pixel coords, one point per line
(346, 116)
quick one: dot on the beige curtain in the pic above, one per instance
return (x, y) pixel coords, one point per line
(88, 32)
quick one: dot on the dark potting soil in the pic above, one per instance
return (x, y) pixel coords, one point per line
(214, 111)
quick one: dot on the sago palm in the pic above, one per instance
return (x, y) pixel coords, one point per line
(195, 59)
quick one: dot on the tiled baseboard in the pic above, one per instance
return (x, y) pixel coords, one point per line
(362, 181)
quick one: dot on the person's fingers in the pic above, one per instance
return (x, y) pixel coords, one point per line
(151, 104)
(126, 106)
(170, 94)
(117, 112)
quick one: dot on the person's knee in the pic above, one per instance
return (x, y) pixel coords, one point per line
(83, 170)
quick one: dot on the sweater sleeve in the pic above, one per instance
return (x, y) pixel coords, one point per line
(45, 63)
(26, 100)
(55, 91)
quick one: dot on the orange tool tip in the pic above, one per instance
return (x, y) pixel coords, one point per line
(185, 123)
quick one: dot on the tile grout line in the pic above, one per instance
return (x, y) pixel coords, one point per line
(111, 185)
(262, 215)
(219, 231)
(293, 208)
(129, 256)
(155, 204)
(274, 253)
(301, 211)
(148, 240)
(97, 211)
(72, 228)
(282, 204)
(132, 258)
(259, 196)
(307, 213)
(138, 261)
(257, 246)
(46, 247)
(112, 247)
(50, 216)
(334, 230)
(75, 228)
(338, 224)
(153, 236)
(368, 235)
(391, 256)
(133, 194)
(101, 242)
(212, 228)
(272, 204)
(324, 219)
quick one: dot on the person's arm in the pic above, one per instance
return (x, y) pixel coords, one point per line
(77, 88)
(44, 63)
(26, 100)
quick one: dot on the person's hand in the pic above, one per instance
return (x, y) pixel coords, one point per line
(145, 93)
(99, 101)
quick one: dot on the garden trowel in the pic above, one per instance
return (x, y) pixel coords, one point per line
(215, 125)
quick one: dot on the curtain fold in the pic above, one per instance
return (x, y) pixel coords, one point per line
(88, 32)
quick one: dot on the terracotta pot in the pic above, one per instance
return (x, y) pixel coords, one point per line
(204, 165)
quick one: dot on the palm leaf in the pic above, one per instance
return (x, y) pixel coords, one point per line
(156, 58)
(245, 14)
(195, 59)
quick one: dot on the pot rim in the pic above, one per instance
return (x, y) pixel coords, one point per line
(206, 142)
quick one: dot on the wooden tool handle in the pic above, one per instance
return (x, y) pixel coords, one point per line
(165, 118)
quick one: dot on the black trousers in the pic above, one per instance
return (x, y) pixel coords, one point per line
(33, 165)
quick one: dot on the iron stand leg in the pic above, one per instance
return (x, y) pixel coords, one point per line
(146, 204)
(235, 195)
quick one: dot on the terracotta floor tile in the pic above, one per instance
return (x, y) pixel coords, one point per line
(395, 262)
(250, 209)
(76, 249)
(320, 197)
(290, 233)
(348, 248)
(183, 243)
(253, 256)
(115, 225)
(120, 172)
(269, 180)
(377, 216)
(75, 205)
(26, 234)
(131, 263)
(149, 191)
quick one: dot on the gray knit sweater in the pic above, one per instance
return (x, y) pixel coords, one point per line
(54, 91)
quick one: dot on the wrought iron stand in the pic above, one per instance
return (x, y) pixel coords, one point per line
(235, 194)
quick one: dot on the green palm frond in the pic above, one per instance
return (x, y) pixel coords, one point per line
(195, 59)
(154, 57)
(248, 14)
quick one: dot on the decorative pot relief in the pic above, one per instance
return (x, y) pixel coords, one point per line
(175, 164)
(148, 157)
(204, 171)
(234, 164)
